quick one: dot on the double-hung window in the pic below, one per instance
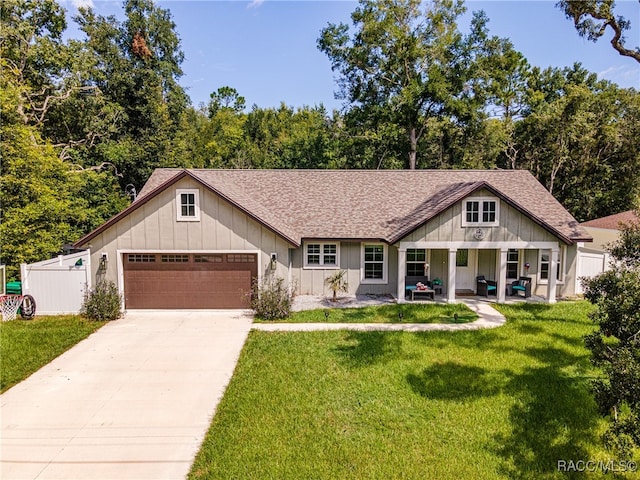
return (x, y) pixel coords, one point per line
(374, 263)
(188, 205)
(479, 211)
(322, 255)
(416, 260)
(545, 265)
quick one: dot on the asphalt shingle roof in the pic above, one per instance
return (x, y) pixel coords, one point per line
(368, 204)
(612, 222)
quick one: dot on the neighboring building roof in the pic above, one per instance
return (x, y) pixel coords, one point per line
(612, 222)
(363, 204)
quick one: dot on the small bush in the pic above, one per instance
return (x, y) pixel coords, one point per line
(337, 283)
(103, 302)
(271, 298)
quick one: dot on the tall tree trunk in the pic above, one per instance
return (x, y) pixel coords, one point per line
(413, 152)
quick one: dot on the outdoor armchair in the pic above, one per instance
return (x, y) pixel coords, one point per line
(486, 287)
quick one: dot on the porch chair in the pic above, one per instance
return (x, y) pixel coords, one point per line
(486, 287)
(522, 285)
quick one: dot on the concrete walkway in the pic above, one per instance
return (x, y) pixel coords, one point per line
(488, 318)
(132, 401)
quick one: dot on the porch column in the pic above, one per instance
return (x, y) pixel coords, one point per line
(402, 268)
(451, 281)
(501, 269)
(553, 272)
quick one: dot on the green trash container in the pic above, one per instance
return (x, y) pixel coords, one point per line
(14, 288)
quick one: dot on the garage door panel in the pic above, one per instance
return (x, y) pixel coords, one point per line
(195, 281)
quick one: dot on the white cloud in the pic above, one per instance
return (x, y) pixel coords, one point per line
(623, 75)
(255, 3)
(82, 3)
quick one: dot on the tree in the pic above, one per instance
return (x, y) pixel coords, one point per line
(577, 138)
(405, 66)
(226, 98)
(44, 203)
(615, 346)
(591, 19)
(33, 52)
(135, 64)
(285, 138)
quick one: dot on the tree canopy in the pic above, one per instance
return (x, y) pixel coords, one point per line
(592, 18)
(407, 64)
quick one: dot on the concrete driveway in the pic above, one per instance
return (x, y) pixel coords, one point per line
(132, 401)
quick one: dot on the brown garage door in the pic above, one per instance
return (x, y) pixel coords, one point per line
(159, 280)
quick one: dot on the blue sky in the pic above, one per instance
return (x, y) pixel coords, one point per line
(267, 49)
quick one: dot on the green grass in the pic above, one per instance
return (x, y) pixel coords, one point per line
(504, 403)
(415, 313)
(26, 346)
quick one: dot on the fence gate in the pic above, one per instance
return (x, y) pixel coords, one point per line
(58, 284)
(590, 264)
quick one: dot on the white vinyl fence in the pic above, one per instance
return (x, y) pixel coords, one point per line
(58, 284)
(590, 264)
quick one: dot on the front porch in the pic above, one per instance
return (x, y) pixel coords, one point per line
(476, 298)
(453, 269)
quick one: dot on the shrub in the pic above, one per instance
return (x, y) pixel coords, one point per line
(337, 283)
(271, 298)
(103, 302)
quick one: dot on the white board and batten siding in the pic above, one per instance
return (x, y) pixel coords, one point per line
(57, 285)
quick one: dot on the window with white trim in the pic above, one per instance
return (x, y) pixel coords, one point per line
(480, 211)
(322, 255)
(513, 264)
(545, 265)
(188, 205)
(374, 263)
(416, 260)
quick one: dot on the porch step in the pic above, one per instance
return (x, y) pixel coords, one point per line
(465, 293)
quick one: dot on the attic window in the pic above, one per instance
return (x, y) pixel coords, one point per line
(188, 205)
(480, 211)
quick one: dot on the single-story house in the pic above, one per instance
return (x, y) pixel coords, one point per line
(606, 230)
(196, 238)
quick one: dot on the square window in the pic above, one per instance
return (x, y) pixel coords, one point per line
(373, 270)
(329, 254)
(416, 258)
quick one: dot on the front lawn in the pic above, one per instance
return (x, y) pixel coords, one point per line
(393, 313)
(509, 402)
(26, 346)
